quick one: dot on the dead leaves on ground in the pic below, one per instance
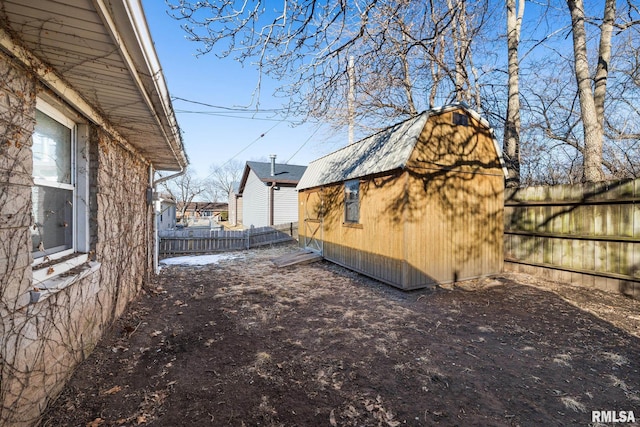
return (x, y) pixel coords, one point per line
(112, 390)
(375, 408)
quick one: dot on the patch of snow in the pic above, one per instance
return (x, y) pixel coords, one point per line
(195, 260)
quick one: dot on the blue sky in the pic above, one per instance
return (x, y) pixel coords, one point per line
(214, 139)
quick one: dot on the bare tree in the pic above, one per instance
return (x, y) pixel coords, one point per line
(591, 98)
(552, 99)
(183, 189)
(407, 54)
(511, 145)
(222, 178)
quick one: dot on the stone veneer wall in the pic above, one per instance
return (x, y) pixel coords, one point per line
(42, 343)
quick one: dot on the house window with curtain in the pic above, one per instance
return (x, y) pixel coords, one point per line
(352, 201)
(60, 232)
(54, 183)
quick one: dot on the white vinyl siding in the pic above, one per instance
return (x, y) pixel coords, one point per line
(285, 205)
(255, 202)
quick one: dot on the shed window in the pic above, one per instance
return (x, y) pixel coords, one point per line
(460, 119)
(352, 201)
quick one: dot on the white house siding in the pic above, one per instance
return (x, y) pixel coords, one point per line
(255, 204)
(235, 209)
(286, 205)
(167, 217)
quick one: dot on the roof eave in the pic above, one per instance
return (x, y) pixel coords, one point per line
(126, 22)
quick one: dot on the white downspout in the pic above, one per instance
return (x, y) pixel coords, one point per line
(156, 237)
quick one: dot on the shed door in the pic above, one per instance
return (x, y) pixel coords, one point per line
(313, 209)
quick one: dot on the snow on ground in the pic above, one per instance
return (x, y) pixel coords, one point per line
(194, 260)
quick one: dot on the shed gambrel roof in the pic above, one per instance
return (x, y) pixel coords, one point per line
(387, 150)
(285, 174)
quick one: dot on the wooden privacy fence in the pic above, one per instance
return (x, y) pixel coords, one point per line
(587, 234)
(229, 240)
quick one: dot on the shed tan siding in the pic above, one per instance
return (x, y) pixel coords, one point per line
(456, 190)
(437, 220)
(375, 246)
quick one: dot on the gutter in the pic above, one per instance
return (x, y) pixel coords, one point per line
(137, 21)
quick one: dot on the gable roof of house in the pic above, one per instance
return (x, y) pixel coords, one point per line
(98, 56)
(235, 187)
(387, 150)
(285, 173)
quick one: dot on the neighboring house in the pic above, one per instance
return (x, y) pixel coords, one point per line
(269, 195)
(417, 204)
(85, 120)
(199, 210)
(235, 205)
(166, 214)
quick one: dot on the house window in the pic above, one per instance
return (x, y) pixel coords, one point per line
(59, 194)
(460, 119)
(352, 201)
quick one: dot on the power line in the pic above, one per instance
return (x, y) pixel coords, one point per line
(217, 114)
(237, 109)
(303, 144)
(244, 149)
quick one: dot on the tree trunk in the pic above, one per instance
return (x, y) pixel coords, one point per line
(511, 145)
(592, 153)
(604, 57)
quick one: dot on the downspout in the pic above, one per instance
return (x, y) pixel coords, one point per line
(271, 189)
(271, 196)
(156, 237)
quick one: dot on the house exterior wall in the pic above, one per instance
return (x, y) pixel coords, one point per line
(255, 204)
(167, 216)
(43, 342)
(235, 209)
(437, 221)
(285, 201)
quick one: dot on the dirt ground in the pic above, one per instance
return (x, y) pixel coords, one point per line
(243, 343)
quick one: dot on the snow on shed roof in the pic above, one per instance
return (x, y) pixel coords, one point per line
(386, 150)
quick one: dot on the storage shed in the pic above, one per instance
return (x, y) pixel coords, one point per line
(417, 204)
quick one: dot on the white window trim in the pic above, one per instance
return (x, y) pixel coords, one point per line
(48, 279)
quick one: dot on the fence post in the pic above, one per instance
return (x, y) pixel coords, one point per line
(248, 234)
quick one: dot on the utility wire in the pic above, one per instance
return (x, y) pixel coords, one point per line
(243, 150)
(241, 109)
(219, 114)
(303, 144)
